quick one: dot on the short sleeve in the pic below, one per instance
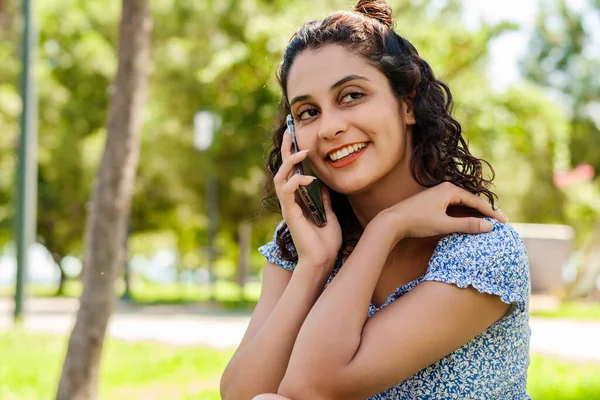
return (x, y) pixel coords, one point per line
(272, 253)
(494, 262)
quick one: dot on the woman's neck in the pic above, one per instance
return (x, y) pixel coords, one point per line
(398, 185)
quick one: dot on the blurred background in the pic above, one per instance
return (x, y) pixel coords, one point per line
(525, 76)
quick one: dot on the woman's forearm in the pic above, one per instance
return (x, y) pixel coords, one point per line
(332, 331)
(260, 365)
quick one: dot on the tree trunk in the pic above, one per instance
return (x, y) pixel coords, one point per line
(2, 14)
(110, 206)
(63, 276)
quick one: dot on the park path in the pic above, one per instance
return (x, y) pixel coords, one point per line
(198, 324)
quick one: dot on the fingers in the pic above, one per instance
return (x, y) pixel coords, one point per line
(462, 197)
(286, 145)
(295, 182)
(287, 195)
(287, 167)
(286, 188)
(470, 225)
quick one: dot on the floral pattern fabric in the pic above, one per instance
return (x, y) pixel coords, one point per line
(494, 364)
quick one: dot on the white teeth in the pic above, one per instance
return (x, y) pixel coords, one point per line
(346, 151)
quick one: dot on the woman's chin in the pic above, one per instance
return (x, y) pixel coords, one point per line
(352, 188)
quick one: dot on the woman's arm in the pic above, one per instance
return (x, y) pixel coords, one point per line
(338, 355)
(332, 331)
(259, 364)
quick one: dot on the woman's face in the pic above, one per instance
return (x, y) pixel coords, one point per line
(347, 115)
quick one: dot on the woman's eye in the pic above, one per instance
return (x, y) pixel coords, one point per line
(350, 97)
(306, 114)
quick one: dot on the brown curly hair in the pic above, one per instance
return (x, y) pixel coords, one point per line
(439, 154)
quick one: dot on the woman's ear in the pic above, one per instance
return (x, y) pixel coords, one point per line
(408, 107)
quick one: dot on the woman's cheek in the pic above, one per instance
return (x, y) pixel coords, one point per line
(307, 142)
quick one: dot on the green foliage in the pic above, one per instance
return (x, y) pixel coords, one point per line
(77, 61)
(560, 58)
(222, 56)
(10, 110)
(522, 130)
(560, 55)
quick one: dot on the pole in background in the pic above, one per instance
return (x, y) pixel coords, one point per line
(205, 124)
(26, 199)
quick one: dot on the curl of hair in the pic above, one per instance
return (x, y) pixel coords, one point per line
(376, 9)
(440, 152)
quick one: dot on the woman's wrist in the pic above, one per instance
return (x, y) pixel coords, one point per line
(314, 275)
(387, 226)
(390, 225)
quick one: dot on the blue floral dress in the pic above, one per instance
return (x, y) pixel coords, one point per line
(494, 364)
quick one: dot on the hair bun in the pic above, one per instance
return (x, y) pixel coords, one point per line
(376, 9)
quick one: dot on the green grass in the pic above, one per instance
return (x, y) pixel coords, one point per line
(580, 310)
(554, 379)
(30, 367)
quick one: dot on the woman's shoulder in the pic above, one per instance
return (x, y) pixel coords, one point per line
(272, 252)
(502, 239)
(494, 262)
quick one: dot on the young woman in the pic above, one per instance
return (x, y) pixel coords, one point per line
(416, 288)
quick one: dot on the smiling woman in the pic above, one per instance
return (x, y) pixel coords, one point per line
(416, 287)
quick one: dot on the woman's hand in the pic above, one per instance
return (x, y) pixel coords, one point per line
(316, 246)
(425, 214)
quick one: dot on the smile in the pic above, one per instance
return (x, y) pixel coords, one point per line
(346, 151)
(347, 155)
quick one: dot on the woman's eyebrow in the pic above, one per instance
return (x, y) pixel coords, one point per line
(333, 87)
(347, 79)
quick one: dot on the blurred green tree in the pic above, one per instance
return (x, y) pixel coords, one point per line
(78, 60)
(10, 109)
(563, 58)
(110, 205)
(222, 56)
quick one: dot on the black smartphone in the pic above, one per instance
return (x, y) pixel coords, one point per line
(310, 195)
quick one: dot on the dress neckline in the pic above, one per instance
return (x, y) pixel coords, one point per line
(409, 285)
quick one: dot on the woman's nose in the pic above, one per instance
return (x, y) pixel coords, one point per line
(332, 124)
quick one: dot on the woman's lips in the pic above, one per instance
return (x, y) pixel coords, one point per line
(348, 159)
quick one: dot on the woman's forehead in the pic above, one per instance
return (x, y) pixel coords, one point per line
(316, 70)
